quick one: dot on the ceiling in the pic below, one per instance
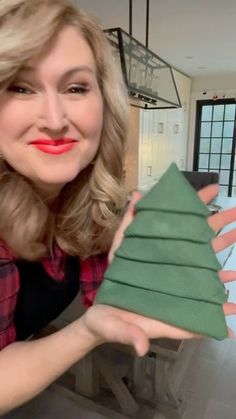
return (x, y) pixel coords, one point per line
(198, 37)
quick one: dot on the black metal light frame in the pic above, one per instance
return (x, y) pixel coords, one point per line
(128, 50)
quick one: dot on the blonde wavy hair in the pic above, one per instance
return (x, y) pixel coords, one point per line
(88, 209)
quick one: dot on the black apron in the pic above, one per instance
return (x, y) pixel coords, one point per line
(41, 298)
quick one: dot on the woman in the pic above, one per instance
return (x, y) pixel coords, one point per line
(63, 125)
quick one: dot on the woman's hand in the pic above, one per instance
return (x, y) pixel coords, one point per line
(219, 243)
(110, 324)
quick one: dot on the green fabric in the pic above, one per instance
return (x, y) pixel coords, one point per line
(165, 267)
(189, 314)
(205, 285)
(173, 193)
(175, 227)
(174, 252)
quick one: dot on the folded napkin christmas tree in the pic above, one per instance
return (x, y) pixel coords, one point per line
(165, 267)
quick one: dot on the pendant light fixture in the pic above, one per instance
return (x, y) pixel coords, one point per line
(149, 79)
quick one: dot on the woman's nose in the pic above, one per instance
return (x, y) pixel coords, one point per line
(52, 115)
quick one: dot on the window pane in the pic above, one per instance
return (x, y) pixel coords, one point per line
(228, 129)
(204, 145)
(215, 161)
(234, 178)
(225, 161)
(233, 191)
(216, 145)
(203, 161)
(205, 129)
(207, 113)
(218, 113)
(227, 145)
(216, 142)
(217, 129)
(230, 112)
(224, 190)
(224, 177)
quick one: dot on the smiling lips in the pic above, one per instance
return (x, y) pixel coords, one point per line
(59, 146)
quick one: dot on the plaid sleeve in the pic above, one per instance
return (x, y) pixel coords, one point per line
(91, 275)
(9, 287)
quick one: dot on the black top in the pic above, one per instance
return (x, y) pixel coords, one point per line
(41, 298)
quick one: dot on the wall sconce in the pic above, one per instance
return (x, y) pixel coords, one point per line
(160, 127)
(176, 128)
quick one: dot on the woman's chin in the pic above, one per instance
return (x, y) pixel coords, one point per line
(54, 180)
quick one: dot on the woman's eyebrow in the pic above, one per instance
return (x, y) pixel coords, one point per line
(75, 70)
(68, 73)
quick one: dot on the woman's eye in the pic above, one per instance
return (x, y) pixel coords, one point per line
(21, 90)
(78, 89)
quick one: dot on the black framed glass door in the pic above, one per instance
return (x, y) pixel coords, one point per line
(215, 141)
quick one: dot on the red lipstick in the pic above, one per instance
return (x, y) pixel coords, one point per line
(49, 146)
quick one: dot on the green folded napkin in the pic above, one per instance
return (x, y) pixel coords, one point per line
(173, 227)
(197, 316)
(205, 285)
(165, 267)
(173, 193)
(173, 252)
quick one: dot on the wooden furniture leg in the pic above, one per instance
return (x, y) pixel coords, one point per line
(162, 385)
(117, 386)
(87, 376)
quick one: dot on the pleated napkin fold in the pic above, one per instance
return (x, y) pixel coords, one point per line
(165, 267)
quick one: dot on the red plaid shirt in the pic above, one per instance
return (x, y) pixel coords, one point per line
(91, 274)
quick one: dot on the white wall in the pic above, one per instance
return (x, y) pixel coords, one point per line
(112, 13)
(158, 150)
(173, 146)
(222, 82)
(221, 86)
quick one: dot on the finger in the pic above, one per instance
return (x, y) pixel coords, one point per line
(227, 276)
(129, 215)
(221, 219)
(128, 334)
(225, 240)
(208, 193)
(154, 328)
(229, 309)
(173, 332)
(133, 335)
(230, 333)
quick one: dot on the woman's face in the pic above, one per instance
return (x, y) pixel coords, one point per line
(51, 116)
